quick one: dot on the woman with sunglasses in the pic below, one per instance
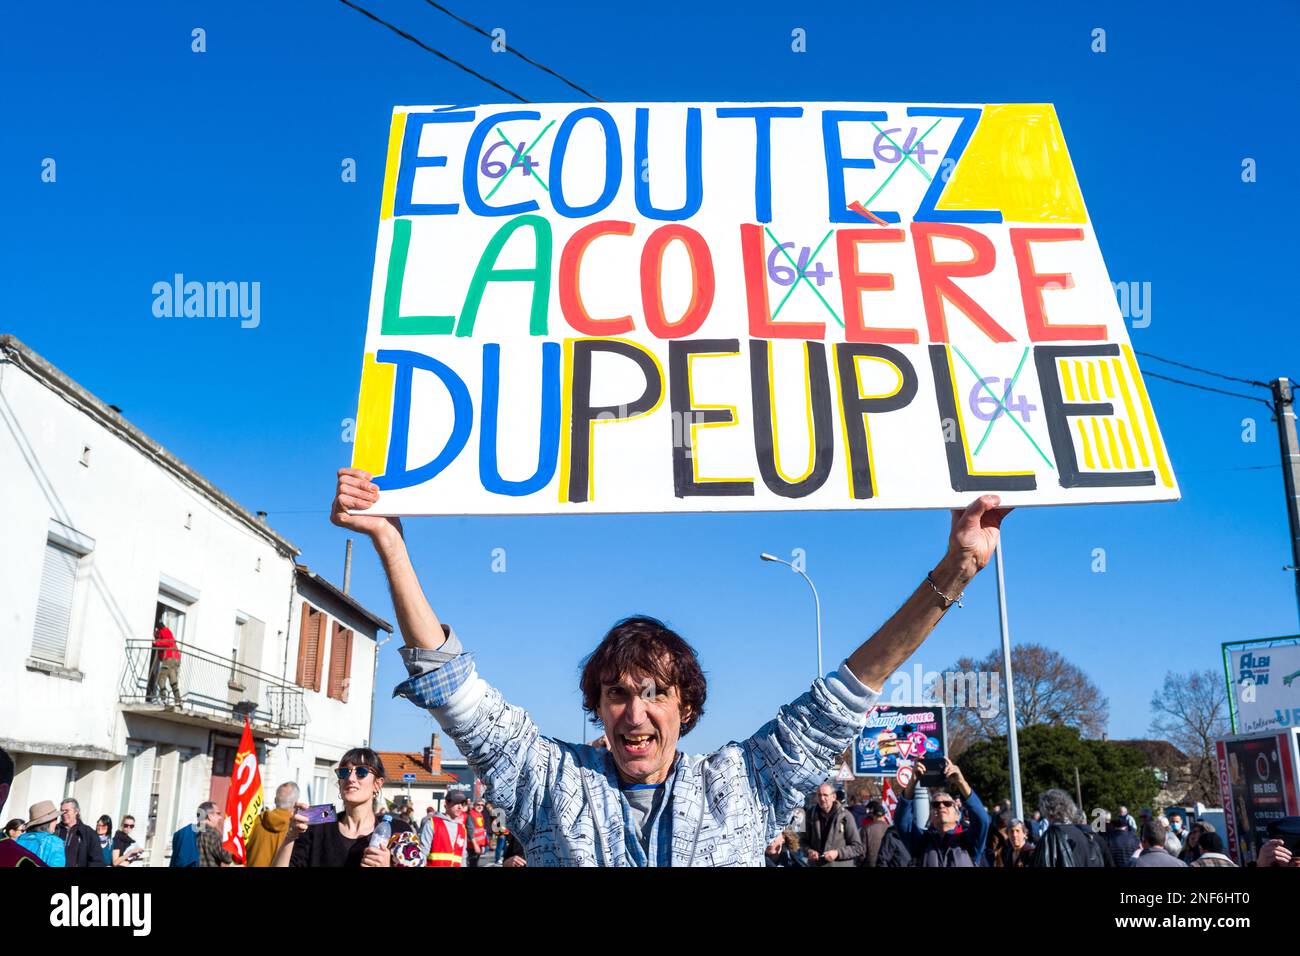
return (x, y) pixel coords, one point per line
(123, 855)
(344, 842)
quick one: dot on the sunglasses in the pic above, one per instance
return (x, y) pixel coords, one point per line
(128, 826)
(344, 772)
(941, 804)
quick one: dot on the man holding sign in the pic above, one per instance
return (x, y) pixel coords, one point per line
(640, 802)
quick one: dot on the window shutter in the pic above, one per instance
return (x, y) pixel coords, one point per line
(301, 678)
(309, 647)
(347, 665)
(141, 760)
(54, 604)
(340, 662)
(336, 662)
(317, 645)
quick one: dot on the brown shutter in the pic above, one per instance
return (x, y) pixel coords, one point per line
(300, 679)
(339, 657)
(309, 647)
(347, 665)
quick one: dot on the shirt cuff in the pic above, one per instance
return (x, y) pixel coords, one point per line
(854, 694)
(436, 687)
(422, 660)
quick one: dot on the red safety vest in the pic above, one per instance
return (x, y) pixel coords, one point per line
(448, 847)
(479, 824)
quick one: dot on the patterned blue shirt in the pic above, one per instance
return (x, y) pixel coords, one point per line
(564, 801)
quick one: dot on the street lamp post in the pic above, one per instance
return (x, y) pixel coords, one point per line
(1013, 749)
(817, 604)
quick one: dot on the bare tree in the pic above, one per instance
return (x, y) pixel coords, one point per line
(1049, 690)
(1191, 712)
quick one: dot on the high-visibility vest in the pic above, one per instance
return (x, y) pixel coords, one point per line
(448, 847)
(480, 827)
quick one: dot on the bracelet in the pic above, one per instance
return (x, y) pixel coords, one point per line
(950, 601)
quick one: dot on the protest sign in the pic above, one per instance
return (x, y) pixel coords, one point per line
(893, 737)
(766, 306)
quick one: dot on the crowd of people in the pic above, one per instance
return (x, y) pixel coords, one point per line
(366, 832)
(947, 826)
(58, 837)
(954, 829)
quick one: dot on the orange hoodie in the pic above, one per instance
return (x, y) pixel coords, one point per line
(266, 836)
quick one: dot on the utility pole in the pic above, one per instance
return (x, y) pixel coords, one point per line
(1284, 412)
(1013, 748)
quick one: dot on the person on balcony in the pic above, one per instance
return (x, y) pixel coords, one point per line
(169, 661)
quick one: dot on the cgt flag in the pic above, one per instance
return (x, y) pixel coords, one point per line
(244, 800)
(890, 799)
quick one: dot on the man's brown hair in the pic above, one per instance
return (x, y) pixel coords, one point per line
(645, 647)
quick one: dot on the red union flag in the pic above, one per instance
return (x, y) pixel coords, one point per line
(244, 800)
(890, 799)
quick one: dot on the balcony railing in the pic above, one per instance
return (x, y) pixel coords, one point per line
(212, 686)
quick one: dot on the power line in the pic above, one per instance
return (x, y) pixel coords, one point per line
(424, 46)
(1215, 471)
(510, 49)
(1203, 371)
(1208, 388)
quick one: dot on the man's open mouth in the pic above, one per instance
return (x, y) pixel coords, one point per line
(636, 745)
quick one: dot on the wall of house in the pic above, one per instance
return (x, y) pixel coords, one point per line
(335, 725)
(141, 527)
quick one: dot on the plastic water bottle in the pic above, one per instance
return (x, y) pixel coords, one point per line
(379, 838)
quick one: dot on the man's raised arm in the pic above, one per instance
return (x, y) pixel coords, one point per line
(501, 742)
(415, 618)
(971, 541)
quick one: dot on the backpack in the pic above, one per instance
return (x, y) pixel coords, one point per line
(893, 851)
(1097, 855)
(1056, 850)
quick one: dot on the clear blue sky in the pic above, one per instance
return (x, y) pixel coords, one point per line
(225, 165)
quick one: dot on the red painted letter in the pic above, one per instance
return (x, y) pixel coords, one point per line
(761, 325)
(1032, 284)
(936, 278)
(853, 283)
(652, 261)
(575, 313)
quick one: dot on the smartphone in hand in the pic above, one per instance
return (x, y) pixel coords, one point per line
(321, 813)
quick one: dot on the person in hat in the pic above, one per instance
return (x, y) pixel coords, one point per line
(38, 835)
(442, 838)
(640, 801)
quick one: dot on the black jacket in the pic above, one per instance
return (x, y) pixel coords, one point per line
(1069, 844)
(1121, 844)
(82, 845)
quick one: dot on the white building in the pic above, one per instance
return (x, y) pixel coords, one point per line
(418, 777)
(104, 533)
